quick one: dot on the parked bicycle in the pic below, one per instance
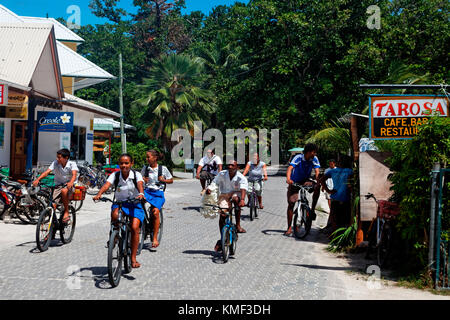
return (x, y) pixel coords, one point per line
(92, 178)
(49, 223)
(302, 220)
(119, 244)
(253, 201)
(229, 234)
(380, 238)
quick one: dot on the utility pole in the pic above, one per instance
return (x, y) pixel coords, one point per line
(122, 133)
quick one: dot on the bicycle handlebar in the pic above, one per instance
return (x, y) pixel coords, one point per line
(129, 200)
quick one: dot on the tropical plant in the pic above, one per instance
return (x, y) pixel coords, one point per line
(343, 238)
(335, 137)
(173, 97)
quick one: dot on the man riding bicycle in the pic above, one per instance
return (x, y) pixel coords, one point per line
(299, 172)
(208, 168)
(232, 187)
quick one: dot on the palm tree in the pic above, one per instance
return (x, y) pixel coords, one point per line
(173, 97)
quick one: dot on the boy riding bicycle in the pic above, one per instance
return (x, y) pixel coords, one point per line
(155, 176)
(65, 176)
(232, 187)
(128, 184)
(299, 171)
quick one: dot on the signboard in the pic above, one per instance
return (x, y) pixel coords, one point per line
(53, 121)
(16, 107)
(3, 94)
(398, 116)
(90, 136)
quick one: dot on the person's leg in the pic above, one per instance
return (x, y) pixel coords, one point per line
(316, 196)
(236, 201)
(292, 197)
(156, 224)
(259, 194)
(223, 203)
(65, 201)
(135, 228)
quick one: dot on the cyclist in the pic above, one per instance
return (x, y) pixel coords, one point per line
(65, 172)
(128, 184)
(208, 167)
(232, 187)
(299, 171)
(256, 169)
(155, 176)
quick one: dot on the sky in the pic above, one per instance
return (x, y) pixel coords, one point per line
(59, 8)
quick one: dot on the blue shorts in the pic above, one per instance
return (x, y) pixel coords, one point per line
(155, 198)
(131, 210)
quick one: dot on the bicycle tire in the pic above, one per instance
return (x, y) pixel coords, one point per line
(233, 242)
(115, 246)
(29, 214)
(19, 212)
(127, 249)
(142, 236)
(78, 205)
(256, 204)
(68, 229)
(384, 247)
(44, 229)
(225, 240)
(300, 225)
(252, 206)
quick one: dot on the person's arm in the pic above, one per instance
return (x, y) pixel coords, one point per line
(72, 181)
(317, 173)
(220, 167)
(42, 176)
(199, 168)
(288, 175)
(265, 172)
(102, 190)
(242, 202)
(140, 185)
(143, 175)
(246, 170)
(166, 177)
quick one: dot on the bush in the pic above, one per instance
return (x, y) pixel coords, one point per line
(136, 150)
(411, 163)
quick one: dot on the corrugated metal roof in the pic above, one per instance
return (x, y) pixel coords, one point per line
(20, 50)
(76, 101)
(62, 33)
(74, 65)
(8, 16)
(109, 123)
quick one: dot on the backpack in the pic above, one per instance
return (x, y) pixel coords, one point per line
(117, 177)
(160, 168)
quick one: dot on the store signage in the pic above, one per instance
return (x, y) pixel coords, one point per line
(52, 121)
(90, 136)
(3, 94)
(398, 117)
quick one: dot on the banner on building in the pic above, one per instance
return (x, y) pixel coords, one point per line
(53, 121)
(3, 94)
(398, 116)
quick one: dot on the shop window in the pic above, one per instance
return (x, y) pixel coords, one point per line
(78, 143)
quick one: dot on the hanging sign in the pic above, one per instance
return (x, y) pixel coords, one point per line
(398, 116)
(3, 94)
(53, 121)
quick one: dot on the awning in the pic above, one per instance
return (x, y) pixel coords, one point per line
(296, 150)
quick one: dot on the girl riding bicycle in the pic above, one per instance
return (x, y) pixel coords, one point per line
(128, 184)
(155, 177)
(256, 169)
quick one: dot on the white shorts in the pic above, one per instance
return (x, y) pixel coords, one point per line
(224, 198)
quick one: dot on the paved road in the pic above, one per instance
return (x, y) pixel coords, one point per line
(267, 264)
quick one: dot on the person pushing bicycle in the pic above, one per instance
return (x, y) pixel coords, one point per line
(65, 175)
(232, 187)
(256, 169)
(155, 177)
(299, 171)
(128, 184)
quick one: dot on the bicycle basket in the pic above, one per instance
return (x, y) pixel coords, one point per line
(79, 193)
(387, 209)
(206, 211)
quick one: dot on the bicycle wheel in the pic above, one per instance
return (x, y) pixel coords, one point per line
(233, 241)
(44, 229)
(252, 206)
(115, 258)
(28, 212)
(225, 243)
(142, 236)
(78, 205)
(68, 229)
(384, 247)
(127, 250)
(300, 226)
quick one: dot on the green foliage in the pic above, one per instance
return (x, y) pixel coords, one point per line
(412, 161)
(137, 150)
(343, 238)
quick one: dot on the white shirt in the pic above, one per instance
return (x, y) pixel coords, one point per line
(211, 165)
(153, 177)
(125, 189)
(63, 175)
(226, 185)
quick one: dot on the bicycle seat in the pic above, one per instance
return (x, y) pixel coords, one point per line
(387, 209)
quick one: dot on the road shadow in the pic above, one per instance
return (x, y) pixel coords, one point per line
(312, 266)
(216, 257)
(100, 276)
(192, 208)
(273, 232)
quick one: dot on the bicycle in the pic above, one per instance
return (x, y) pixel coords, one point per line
(253, 200)
(229, 234)
(119, 244)
(92, 179)
(48, 223)
(381, 237)
(20, 198)
(302, 219)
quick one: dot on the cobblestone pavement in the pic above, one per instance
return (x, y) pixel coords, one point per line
(267, 264)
